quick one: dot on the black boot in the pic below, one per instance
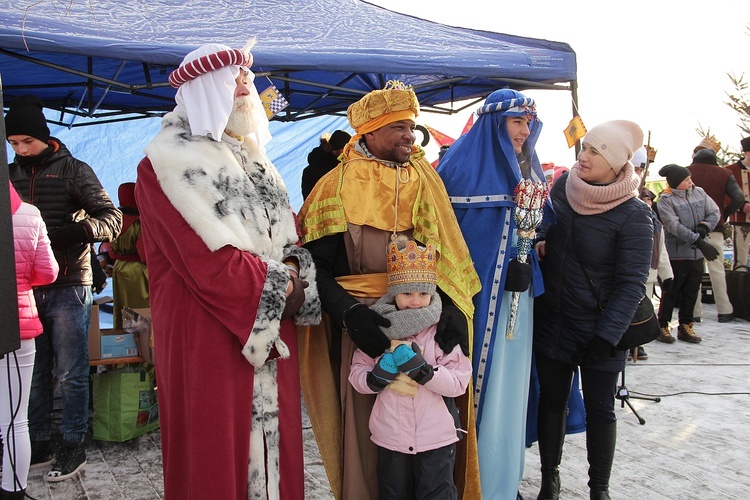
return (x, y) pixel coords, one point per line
(551, 431)
(12, 495)
(600, 447)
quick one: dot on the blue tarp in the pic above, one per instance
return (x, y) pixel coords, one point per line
(107, 58)
(114, 149)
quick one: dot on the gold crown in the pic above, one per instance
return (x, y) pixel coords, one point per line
(411, 264)
(395, 96)
(709, 142)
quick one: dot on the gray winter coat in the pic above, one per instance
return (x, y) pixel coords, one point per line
(681, 210)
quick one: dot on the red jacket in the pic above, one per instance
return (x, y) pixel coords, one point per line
(742, 176)
(719, 185)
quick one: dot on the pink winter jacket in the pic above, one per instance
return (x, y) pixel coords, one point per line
(35, 262)
(413, 425)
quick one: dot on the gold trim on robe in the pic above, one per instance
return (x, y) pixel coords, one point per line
(368, 200)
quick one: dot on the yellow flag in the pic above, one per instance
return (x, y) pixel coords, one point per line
(273, 101)
(651, 153)
(575, 130)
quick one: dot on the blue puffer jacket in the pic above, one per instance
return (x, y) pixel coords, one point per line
(615, 247)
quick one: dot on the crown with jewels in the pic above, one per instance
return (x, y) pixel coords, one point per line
(409, 263)
(395, 96)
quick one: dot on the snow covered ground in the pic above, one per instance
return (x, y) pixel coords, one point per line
(694, 444)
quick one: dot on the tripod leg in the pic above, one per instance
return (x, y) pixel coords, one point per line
(640, 419)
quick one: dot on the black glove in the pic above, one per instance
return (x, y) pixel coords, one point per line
(597, 350)
(518, 277)
(702, 231)
(665, 285)
(383, 373)
(296, 298)
(709, 252)
(452, 330)
(410, 362)
(363, 326)
(68, 236)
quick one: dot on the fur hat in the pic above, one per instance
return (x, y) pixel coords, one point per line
(380, 107)
(674, 174)
(616, 141)
(639, 159)
(411, 268)
(339, 139)
(708, 142)
(745, 143)
(25, 117)
(706, 157)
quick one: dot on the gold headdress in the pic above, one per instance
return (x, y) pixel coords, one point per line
(411, 267)
(709, 142)
(380, 107)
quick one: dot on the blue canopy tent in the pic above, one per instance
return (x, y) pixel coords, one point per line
(104, 61)
(110, 60)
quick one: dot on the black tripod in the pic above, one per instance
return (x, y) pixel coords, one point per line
(624, 396)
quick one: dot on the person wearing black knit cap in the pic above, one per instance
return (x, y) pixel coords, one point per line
(688, 215)
(77, 212)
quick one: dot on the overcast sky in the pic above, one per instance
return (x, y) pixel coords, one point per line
(663, 65)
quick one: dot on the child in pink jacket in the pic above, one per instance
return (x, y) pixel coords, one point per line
(413, 422)
(35, 266)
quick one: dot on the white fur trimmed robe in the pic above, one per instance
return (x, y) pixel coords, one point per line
(217, 226)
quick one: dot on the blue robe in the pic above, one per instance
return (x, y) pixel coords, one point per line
(480, 172)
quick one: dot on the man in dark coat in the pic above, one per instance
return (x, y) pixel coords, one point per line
(721, 186)
(77, 211)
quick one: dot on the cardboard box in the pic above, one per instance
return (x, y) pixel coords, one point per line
(138, 322)
(118, 344)
(95, 351)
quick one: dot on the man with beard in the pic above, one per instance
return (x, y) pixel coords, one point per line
(382, 187)
(227, 283)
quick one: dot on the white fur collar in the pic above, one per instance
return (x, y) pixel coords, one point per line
(226, 204)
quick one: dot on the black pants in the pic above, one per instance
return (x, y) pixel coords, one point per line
(599, 389)
(684, 287)
(426, 475)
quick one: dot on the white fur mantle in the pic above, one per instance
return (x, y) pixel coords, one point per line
(224, 203)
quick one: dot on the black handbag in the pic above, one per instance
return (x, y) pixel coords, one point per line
(644, 326)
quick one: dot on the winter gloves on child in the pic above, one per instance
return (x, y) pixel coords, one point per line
(406, 359)
(383, 373)
(409, 360)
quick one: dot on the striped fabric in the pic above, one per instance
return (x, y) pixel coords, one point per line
(210, 62)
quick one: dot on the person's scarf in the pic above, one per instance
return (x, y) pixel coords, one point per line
(407, 322)
(591, 199)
